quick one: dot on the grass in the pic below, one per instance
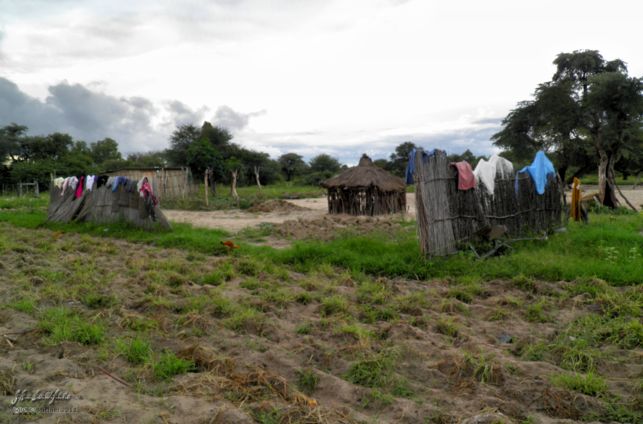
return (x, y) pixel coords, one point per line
(63, 324)
(375, 370)
(168, 365)
(609, 249)
(136, 351)
(307, 381)
(589, 384)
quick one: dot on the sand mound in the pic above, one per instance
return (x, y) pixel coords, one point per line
(276, 205)
(330, 227)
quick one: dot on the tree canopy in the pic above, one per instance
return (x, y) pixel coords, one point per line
(588, 116)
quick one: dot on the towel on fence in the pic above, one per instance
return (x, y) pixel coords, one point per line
(539, 170)
(79, 187)
(410, 166)
(116, 182)
(466, 179)
(487, 171)
(72, 183)
(58, 182)
(101, 180)
(89, 182)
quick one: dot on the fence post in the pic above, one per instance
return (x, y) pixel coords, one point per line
(37, 190)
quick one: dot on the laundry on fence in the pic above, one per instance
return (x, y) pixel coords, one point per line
(99, 198)
(466, 178)
(539, 170)
(449, 217)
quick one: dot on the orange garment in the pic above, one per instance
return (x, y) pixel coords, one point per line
(575, 204)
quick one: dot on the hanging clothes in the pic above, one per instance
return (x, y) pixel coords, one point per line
(101, 180)
(58, 182)
(466, 179)
(73, 183)
(486, 172)
(116, 182)
(410, 166)
(539, 170)
(574, 210)
(79, 187)
(89, 182)
(146, 190)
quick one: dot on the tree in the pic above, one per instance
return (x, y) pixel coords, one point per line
(324, 163)
(400, 158)
(10, 141)
(105, 150)
(587, 116)
(291, 164)
(180, 141)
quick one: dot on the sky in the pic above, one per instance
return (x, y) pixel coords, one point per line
(307, 76)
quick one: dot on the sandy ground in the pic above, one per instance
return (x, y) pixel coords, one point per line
(236, 220)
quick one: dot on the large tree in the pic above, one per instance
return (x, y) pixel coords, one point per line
(587, 116)
(292, 164)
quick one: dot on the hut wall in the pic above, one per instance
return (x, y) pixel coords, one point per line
(365, 201)
(166, 183)
(447, 216)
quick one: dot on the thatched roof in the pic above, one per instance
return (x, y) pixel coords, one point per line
(366, 175)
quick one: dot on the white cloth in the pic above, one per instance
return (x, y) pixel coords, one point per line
(139, 185)
(89, 182)
(73, 183)
(58, 182)
(486, 172)
(65, 184)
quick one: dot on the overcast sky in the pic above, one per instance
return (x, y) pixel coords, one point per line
(310, 76)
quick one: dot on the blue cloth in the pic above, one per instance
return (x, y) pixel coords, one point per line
(410, 166)
(539, 170)
(116, 182)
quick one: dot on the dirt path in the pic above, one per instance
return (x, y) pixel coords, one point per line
(237, 220)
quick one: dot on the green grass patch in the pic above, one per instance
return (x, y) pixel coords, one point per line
(62, 324)
(136, 351)
(376, 370)
(589, 384)
(168, 365)
(307, 381)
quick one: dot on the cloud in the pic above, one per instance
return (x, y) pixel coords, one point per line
(135, 122)
(232, 120)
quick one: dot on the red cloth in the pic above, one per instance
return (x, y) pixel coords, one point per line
(466, 179)
(79, 188)
(146, 190)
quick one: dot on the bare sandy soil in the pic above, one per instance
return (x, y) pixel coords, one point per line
(316, 209)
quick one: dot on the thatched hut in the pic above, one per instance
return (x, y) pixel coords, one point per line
(365, 189)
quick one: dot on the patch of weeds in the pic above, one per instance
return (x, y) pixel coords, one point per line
(307, 381)
(419, 322)
(483, 368)
(304, 298)
(28, 366)
(278, 297)
(412, 304)
(401, 388)
(576, 354)
(251, 284)
(223, 272)
(498, 314)
(96, 300)
(371, 314)
(249, 267)
(136, 351)
(304, 329)
(221, 306)
(377, 399)
(245, 319)
(448, 327)
(534, 352)
(452, 306)
(373, 292)
(524, 283)
(175, 279)
(536, 312)
(139, 323)
(355, 331)
(169, 365)
(375, 370)
(333, 305)
(62, 324)
(465, 293)
(592, 287)
(26, 305)
(589, 384)
(272, 416)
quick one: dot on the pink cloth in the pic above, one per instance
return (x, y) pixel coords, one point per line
(79, 188)
(146, 190)
(466, 179)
